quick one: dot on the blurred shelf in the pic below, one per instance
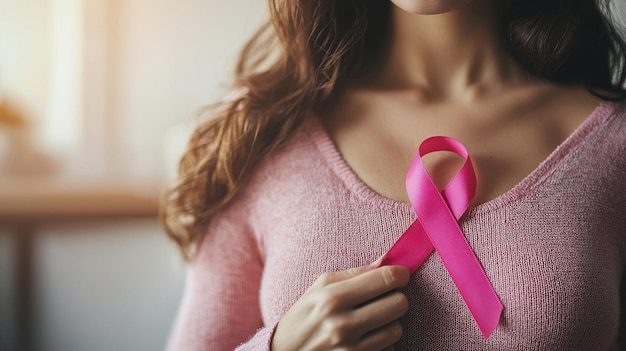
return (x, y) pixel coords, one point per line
(29, 201)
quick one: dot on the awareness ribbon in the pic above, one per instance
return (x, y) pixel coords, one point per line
(436, 227)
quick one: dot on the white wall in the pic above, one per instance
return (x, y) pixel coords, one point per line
(173, 58)
(138, 69)
(24, 53)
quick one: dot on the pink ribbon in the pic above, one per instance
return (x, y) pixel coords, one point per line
(437, 228)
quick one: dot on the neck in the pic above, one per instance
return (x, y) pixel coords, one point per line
(448, 55)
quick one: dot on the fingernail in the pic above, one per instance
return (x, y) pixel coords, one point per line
(377, 262)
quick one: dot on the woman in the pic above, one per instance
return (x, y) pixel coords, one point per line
(303, 172)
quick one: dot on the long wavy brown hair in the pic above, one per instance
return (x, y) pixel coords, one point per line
(309, 49)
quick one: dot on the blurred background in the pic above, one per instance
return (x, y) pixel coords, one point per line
(97, 99)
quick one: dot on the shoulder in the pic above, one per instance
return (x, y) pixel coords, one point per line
(591, 119)
(271, 186)
(602, 136)
(614, 136)
(295, 166)
(599, 152)
(611, 116)
(294, 170)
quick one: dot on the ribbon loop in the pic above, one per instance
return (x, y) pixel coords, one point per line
(436, 228)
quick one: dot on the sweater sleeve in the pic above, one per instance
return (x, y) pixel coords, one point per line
(220, 308)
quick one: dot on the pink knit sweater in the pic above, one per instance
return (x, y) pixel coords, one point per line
(553, 248)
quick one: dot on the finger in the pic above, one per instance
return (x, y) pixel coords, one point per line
(382, 338)
(370, 284)
(334, 277)
(377, 263)
(379, 312)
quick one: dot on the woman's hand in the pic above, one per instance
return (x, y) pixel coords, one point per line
(355, 309)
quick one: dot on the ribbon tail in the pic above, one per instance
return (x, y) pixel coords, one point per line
(411, 249)
(459, 259)
(478, 294)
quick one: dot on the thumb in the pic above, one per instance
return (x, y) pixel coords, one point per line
(349, 273)
(334, 277)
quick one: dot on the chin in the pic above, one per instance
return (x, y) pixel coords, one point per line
(430, 7)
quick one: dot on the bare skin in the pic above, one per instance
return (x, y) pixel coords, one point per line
(444, 74)
(455, 81)
(508, 134)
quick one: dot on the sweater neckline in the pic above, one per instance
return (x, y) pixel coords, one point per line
(326, 146)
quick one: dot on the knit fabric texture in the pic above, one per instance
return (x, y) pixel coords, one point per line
(553, 247)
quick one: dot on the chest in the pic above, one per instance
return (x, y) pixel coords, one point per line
(553, 249)
(557, 272)
(505, 145)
